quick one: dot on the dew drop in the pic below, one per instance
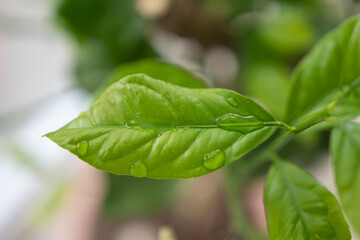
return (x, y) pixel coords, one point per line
(182, 128)
(232, 101)
(132, 124)
(82, 148)
(95, 124)
(214, 159)
(149, 130)
(235, 122)
(164, 131)
(138, 169)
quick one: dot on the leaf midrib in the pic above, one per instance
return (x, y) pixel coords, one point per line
(153, 126)
(352, 141)
(293, 197)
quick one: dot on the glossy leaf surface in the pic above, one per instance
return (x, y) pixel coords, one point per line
(147, 127)
(298, 207)
(331, 64)
(345, 151)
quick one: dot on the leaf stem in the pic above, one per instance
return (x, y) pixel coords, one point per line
(321, 115)
(283, 138)
(312, 120)
(239, 221)
(284, 126)
(233, 187)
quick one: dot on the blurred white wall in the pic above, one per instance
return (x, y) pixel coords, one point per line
(34, 55)
(35, 75)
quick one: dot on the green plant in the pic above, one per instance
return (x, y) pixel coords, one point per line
(146, 127)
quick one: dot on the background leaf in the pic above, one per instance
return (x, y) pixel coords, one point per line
(287, 33)
(320, 75)
(268, 82)
(347, 109)
(345, 151)
(134, 197)
(146, 127)
(159, 70)
(298, 207)
(108, 33)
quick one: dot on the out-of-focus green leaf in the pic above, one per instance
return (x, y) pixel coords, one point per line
(147, 127)
(286, 32)
(158, 70)
(25, 158)
(320, 76)
(109, 32)
(114, 23)
(347, 109)
(51, 204)
(92, 64)
(345, 151)
(298, 207)
(129, 196)
(269, 82)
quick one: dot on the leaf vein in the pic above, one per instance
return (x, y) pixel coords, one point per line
(166, 99)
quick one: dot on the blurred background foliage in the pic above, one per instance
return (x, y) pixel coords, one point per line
(129, 197)
(249, 46)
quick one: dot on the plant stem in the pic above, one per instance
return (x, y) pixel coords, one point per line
(283, 138)
(280, 125)
(312, 120)
(234, 183)
(240, 224)
(321, 115)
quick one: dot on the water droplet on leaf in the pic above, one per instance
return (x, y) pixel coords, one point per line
(95, 124)
(235, 122)
(138, 169)
(82, 148)
(232, 101)
(214, 159)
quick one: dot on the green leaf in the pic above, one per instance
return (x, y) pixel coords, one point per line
(268, 82)
(109, 32)
(345, 151)
(147, 127)
(287, 33)
(347, 109)
(298, 207)
(158, 70)
(321, 75)
(129, 197)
